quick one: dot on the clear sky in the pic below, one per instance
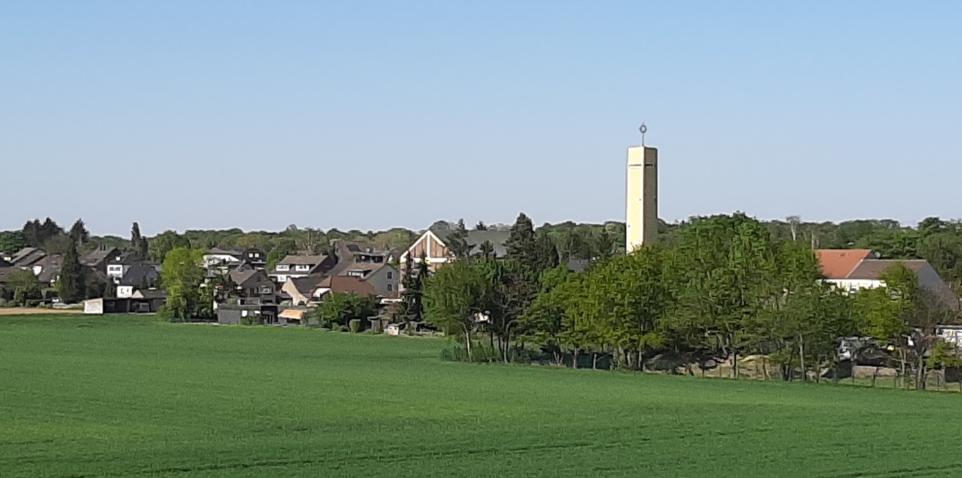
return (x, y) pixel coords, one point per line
(354, 114)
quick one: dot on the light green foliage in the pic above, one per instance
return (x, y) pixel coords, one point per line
(452, 296)
(23, 287)
(182, 275)
(341, 309)
(132, 396)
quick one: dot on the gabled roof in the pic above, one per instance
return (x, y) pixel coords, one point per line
(306, 285)
(243, 277)
(140, 274)
(223, 252)
(839, 263)
(98, 255)
(347, 285)
(873, 269)
(50, 267)
(27, 256)
(292, 260)
(475, 238)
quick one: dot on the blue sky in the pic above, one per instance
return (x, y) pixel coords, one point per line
(186, 114)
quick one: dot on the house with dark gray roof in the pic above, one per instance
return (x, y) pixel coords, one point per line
(27, 256)
(294, 266)
(860, 270)
(97, 259)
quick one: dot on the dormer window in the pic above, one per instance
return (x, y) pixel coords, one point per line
(283, 267)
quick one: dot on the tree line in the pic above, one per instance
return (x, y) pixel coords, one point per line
(718, 289)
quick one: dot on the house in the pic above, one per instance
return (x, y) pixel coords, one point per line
(223, 259)
(98, 258)
(293, 266)
(342, 285)
(139, 276)
(301, 289)
(253, 285)
(26, 257)
(857, 269)
(47, 269)
(118, 265)
(257, 258)
(432, 246)
(140, 301)
(236, 314)
(383, 277)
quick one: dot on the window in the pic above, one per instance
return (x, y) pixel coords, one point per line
(302, 268)
(283, 267)
(390, 275)
(390, 287)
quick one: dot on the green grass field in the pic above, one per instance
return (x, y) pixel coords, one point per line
(126, 396)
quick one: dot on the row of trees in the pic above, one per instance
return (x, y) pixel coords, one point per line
(724, 288)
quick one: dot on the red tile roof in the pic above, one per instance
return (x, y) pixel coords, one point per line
(839, 263)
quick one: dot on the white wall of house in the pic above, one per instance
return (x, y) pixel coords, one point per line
(217, 259)
(125, 291)
(853, 285)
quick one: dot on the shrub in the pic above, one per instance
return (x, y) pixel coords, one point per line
(355, 325)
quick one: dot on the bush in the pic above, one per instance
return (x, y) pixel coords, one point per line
(354, 325)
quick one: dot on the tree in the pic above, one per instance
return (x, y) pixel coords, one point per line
(520, 244)
(340, 309)
(453, 297)
(412, 293)
(604, 245)
(480, 226)
(486, 250)
(12, 241)
(165, 242)
(138, 243)
(545, 253)
(25, 286)
(71, 285)
(182, 276)
(457, 241)
(78, 233)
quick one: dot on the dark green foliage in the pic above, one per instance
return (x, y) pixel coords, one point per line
(138, 243)
(78, 233)
(457, 240)
(36, 233)
(12, 241)
(71, 286)
(412, 284)
(165, 242)
(26, 289)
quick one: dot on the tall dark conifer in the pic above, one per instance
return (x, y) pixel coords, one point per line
(71, 284)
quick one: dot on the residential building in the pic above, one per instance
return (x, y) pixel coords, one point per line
(857, 269)
(292, 267)
(384, 278)
(120, 264)
(253, 285)
(221, 259)
(26, 257)
(98, 258)
(138, 277)
(47, 269)
(432, 246)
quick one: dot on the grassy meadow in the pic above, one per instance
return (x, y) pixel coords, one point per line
(134, 396)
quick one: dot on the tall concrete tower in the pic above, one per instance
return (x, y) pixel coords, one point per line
(641, 211)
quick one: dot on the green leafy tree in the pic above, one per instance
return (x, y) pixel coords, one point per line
(25, 287)
(12, 241)
(340, 309)
(165, 242)
(138, 243)
(453, 297)
(182, 276)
